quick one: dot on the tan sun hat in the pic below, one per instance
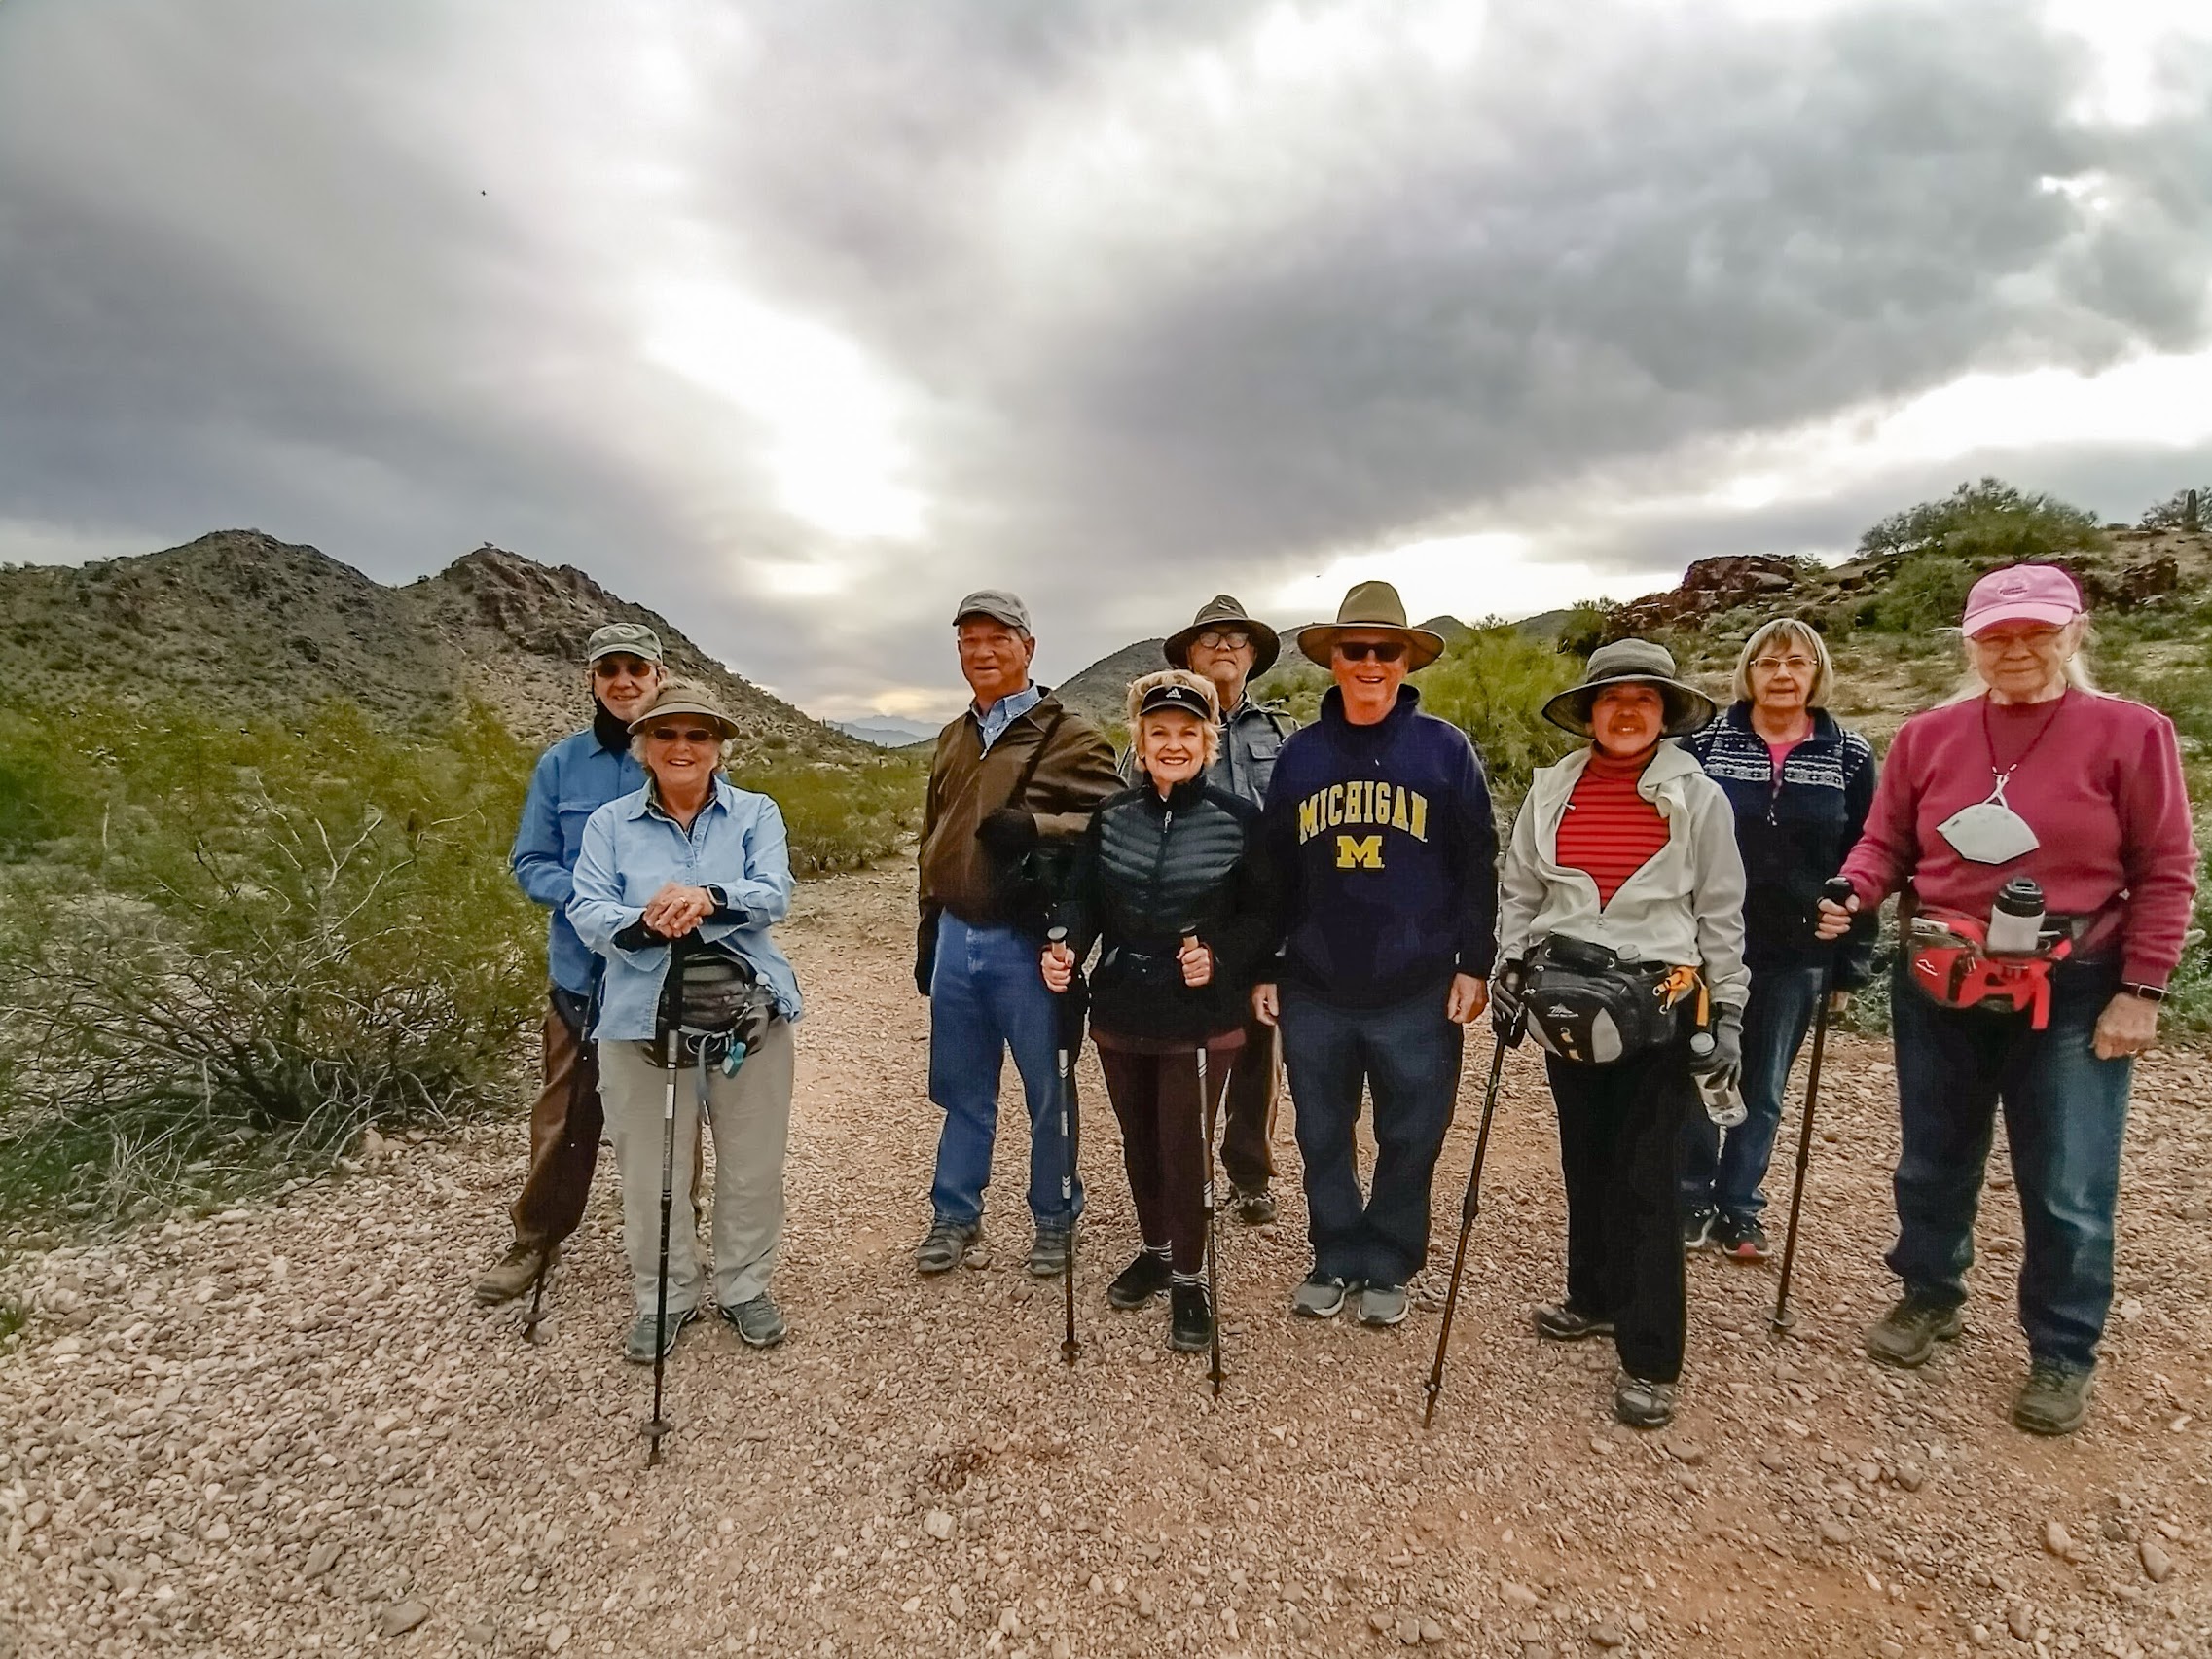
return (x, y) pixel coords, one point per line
(1371, 605)
(686, 696)
(1225, 610)
(1632, 661)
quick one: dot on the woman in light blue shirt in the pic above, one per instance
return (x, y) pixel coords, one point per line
(691, 857)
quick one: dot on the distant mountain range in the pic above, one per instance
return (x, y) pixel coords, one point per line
(887, 733)
(241, 623)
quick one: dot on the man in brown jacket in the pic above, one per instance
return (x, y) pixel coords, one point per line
(1015, 774)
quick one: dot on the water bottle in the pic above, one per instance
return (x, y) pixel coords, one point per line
(2015, 919)
(1724, 1100)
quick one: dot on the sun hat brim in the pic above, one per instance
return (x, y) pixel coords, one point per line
(1318, 642)
(684, 705)
(2053, 613)
(1267, 644)
(1687, 709)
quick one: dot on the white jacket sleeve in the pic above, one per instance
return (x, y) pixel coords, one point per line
(1520, 886)
(1720, 878)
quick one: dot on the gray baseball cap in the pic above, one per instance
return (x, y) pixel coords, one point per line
(634, 638)
(998, 604)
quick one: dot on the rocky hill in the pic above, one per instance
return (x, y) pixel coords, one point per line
(241, 621)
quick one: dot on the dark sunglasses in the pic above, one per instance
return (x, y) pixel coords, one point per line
(1360, 649)
(618, 665)
(683, 734)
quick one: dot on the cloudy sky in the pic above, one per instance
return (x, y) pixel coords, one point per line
(796, 321)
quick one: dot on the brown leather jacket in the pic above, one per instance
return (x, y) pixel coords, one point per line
(1074, 773)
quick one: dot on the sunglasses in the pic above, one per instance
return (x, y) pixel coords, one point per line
(1225, 639)
(1360, 649)
(619, 667)
(683, 734)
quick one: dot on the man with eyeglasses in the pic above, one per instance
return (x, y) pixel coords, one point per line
(1379, 830)
(1232, 648)
(572, 780)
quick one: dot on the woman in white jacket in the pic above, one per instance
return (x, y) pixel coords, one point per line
(1622, 891)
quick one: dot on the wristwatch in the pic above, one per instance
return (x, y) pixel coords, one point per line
(2148, 993)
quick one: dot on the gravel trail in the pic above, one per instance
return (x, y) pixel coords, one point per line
(289, 1431)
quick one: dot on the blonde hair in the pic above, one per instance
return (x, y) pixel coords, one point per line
(1788, 630)
(1140, 688)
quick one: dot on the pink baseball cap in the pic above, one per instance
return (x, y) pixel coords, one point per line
(2022, 593)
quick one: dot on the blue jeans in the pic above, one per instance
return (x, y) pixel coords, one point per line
(1408, 1056)
(2065, 1113)
(1723, 1173)
(986, 996)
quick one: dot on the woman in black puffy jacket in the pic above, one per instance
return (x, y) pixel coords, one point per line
(1166, 889)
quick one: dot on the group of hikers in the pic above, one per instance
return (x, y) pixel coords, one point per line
(1678, 900)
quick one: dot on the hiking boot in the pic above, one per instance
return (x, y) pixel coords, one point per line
(2053, 1400)
(1191, 1319)
(1050, 1249)
(1382, 1305)
(637, 1346)
(1140, 1282)
(514, 1272)
(1741, 1240)
(1907, 1334)
(1642, 1403)
(1563, 1321)
(1697, 1226)
(1320, 1297)
(947, 1245)
(759, 1321)
(1254, 1205)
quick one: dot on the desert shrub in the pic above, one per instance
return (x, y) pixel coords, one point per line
(1985, 525)
(250, 942)
(2182, 510)
(843, 817)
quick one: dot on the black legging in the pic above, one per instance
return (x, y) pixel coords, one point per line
(1155, 1096)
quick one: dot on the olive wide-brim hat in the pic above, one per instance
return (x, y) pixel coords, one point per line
(1371, 605)
(1632, 661)
(686, 696)
(1225, 610)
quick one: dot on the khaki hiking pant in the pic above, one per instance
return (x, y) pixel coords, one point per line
(751, 1117)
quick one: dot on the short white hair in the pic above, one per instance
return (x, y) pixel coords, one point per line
(1787, 630)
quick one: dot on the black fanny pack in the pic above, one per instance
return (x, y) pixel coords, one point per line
(720, 1001)
(1586, 1006)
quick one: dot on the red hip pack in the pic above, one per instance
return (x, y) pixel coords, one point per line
(1952, 967)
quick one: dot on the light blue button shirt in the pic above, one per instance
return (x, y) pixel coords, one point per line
(993, 722)
(633, 849)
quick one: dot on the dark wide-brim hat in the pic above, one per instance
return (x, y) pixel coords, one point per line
(1632, 661)
(686, 696)
(1223, 610)
(1373, 605)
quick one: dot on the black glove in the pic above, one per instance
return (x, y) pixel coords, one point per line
(1726, 1057)
(1008, 833)
(1509, 1015)
(925, 947)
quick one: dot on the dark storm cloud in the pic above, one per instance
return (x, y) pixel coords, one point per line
(1170, 296)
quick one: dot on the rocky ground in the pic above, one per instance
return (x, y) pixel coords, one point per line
(289, 1431)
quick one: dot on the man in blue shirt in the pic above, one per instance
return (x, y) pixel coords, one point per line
(573, 778)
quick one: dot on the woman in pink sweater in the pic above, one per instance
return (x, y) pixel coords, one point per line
(2036, 775)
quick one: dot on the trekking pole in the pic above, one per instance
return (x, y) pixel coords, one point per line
(671, 1049)
(535, 1317)
(1836, 891)
(1206, 1138)
(1469, 1207)
(1069, 1348)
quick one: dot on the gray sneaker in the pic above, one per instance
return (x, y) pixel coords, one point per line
(1907, 1334)
(2053, 1400)
(512, 1274)
(637, 1346)
(947, 1245)
(1254, 1207)
(1050, 1249)
(1642, 1403)
(1383, 1305)
(1320, 1297)
(759, 1321)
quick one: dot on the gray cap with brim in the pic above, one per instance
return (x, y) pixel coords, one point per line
(998, 605)
(632, 637)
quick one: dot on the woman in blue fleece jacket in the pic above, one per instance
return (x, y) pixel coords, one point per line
(1379, 836)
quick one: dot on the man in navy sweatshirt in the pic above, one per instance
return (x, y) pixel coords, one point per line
(1378, 825)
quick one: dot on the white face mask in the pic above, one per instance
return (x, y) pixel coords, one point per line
(1989, 832)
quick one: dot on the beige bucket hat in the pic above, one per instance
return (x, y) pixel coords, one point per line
(1632, 661)
(686, 696)
(1225, 610)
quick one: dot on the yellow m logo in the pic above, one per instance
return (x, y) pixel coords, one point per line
(1360, 852)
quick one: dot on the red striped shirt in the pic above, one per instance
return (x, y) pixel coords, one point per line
(1609, 831)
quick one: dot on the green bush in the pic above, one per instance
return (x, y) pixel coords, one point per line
(1986, 524)
(843, 817)
(250, 942)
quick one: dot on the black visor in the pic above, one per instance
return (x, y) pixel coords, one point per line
(1183, 697)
